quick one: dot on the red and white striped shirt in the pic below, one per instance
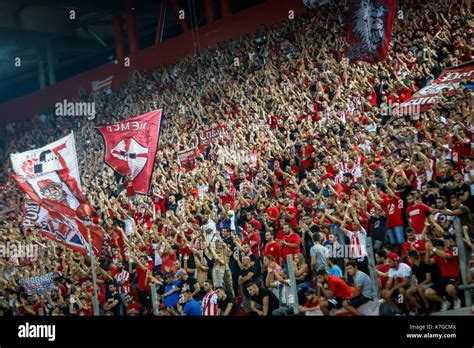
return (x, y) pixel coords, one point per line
(358, 244)
(124, 277)
(209, 304)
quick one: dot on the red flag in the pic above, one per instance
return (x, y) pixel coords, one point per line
(448, 81)
(60, 223)
(56, 185)
(130, 147)
(369, 29)
(206, 137)
(187, 158)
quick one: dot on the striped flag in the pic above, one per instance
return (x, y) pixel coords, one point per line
(102, 84)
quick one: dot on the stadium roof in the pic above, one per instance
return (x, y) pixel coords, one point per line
(52, 46)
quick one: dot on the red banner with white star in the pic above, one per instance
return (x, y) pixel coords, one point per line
(130, 147)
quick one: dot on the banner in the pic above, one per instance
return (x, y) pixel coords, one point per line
(57, 186)
(130, 147)
(205, 138)
(187, 158)
(424, 99)
(60, 154)
(38, 284)
(31, 213)
(369, 29)
(60, 223)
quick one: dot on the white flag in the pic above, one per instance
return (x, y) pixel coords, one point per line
(60, 154)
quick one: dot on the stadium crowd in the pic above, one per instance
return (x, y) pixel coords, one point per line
(312, 163)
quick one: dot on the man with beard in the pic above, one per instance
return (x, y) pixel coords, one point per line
(209, 301)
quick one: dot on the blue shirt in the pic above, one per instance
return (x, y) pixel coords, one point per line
(172, 299)
(336, 270)
(192, 308)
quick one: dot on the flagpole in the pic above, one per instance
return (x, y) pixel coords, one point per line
(95, 297)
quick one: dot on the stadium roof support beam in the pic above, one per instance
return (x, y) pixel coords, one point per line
(118, 38)
(181, 14)
(161, 22)
(50, 60)
(225, 8)
(209, 11)
(41, 74)
(131, 23)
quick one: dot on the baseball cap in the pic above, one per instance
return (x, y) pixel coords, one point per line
(181, 272)
(394, 257)
(310, 292)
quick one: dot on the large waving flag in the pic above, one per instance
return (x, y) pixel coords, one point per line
(369, 29)
(57, 185)
(50, 177)
(130, 147)
(60, 223)
(60, 154)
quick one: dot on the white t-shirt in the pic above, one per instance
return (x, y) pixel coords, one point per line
(129, 226)
(403, 271)
(231, 214)
(202, 189)
(156, 249)
(212, 226)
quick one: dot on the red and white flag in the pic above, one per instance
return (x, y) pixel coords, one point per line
(50, 178)
(130, 147)
(369, 30)
(426, 97)
(58, 186)
(60, 154)
(206, 137)
(60, 223)
(187, 158)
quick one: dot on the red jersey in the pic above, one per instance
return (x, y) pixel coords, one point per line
(167, 262)
(415, 244)
(280, 236)
(160, 203)
(132, 308)
(393, 209)
(273, 249)
(339, 287)
(292, 210)
(449, 267)
(130, 189)
(417, 215)
(142, 278)
(291, 238)
(384, 269)
(256, 238)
